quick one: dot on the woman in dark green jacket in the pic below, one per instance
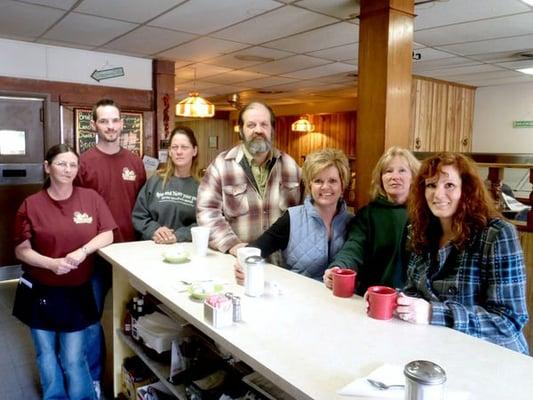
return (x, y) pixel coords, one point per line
(375, 247)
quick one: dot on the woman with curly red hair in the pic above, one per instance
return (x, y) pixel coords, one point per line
(467, 268)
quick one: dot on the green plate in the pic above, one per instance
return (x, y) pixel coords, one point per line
(202, 290)
(176, 257)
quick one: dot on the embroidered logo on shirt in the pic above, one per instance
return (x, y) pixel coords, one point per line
(128, 174)
(82, 218)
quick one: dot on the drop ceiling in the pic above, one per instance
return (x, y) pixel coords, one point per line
(282, 51)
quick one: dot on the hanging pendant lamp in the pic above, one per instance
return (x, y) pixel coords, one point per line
(195, 106)
(303, 125)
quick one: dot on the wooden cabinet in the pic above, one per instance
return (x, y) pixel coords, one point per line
(442, 117)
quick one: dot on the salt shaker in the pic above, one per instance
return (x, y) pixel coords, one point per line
(254, 281)
(424, 380)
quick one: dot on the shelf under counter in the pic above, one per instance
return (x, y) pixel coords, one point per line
(161, 370)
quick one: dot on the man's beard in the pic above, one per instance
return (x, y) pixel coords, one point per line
(258, 145)
(112, 139)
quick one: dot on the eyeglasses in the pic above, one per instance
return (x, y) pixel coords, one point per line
(64, 165)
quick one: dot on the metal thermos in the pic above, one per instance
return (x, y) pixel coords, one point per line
(254, 281)
(424, 380)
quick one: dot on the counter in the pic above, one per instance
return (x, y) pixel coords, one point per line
(307, 341)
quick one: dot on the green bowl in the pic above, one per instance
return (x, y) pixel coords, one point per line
(202, 290)
(176, 257)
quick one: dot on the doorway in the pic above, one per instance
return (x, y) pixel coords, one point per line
(21, 165)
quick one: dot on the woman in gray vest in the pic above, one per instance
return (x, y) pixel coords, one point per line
(311, 234)
(165, 209)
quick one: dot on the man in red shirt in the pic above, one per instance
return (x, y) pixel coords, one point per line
(117, 175)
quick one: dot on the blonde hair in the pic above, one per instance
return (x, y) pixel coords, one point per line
(376, 185)
(319, 160)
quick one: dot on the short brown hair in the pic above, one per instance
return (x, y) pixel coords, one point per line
(319, 160)
(475, 207)
(103, 103)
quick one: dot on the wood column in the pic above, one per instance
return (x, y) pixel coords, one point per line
(164, 78)
(384, 84)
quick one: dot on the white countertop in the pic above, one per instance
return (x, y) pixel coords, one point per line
(311, 343)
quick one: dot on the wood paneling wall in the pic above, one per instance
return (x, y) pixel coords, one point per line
(526, 239)
(337, 130)
(442, 116)
(205, 128)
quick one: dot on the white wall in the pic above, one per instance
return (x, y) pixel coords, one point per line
(61, 64)
(495, 110)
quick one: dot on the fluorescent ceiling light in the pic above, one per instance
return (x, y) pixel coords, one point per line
(528, 71)
(528, 2)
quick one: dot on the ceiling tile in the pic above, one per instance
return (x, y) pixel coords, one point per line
(469, 69)
(234, 77)
(126, 10)
(526, 63)
(204, 16)
(339, 53)
(192, 86)
(265, 82)
(62, 43)
(343, 77)
(25, 20)
(335, 8)
(427, 53)
(223, 89)
(492, 46)
(202, 49)
(281, 22)
(455, 11)
(318, 39)
(288, 64)
(148, 40)
(500, 81)
(489, 78)
(323, 70)
(87, 29)
(61, 4)
(231, 60)
(299, 85)
(201, 71)
(442, 63)
(515, 25)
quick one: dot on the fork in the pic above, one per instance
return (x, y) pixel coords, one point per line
(383, 386)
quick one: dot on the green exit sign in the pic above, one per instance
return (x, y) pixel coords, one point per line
(522, 124)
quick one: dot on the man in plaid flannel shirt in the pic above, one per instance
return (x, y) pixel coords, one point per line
(248, 187)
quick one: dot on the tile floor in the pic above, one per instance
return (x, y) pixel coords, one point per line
(19, 378)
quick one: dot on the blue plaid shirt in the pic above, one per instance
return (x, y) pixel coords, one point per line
(479, 290)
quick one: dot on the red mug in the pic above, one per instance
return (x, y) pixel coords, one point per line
(344, 282)
(381, 301)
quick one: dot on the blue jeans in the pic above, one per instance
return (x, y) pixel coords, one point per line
(95, 346)
(62, 365)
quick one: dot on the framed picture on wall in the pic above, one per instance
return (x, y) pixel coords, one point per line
(131, 137)
(213, 142)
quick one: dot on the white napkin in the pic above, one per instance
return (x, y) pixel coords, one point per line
(389, 374)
